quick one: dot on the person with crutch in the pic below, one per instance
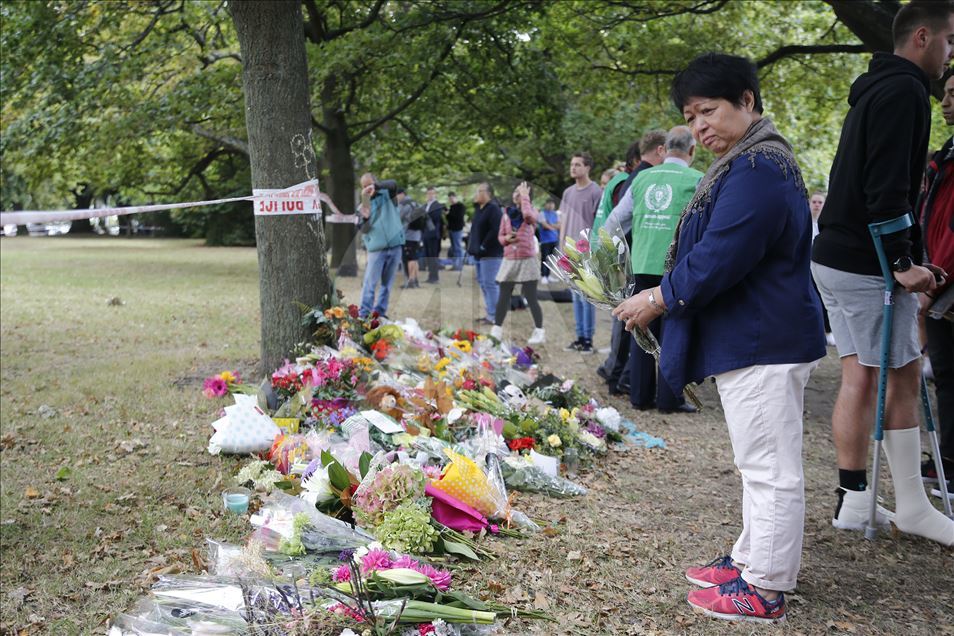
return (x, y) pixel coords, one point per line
(878, 232)
(875, 177)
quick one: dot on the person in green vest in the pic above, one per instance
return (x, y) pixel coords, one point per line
(660, 194)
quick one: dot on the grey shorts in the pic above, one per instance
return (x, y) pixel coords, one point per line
(855, 303)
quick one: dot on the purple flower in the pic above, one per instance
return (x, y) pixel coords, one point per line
(596, 430)
(345, 555)
(310, 469)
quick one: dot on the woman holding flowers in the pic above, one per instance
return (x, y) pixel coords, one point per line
(740, 306)
(517, 234)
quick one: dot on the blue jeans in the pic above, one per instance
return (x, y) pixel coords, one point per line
(585, 316)
(381, 268)
(456, 251)
(487, 269)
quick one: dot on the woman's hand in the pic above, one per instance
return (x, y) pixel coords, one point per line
(637, 310)
(523, 190)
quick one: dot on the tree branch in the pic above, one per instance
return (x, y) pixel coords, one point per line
(212, 58)
(196, 171)
(790, 50)
(423, 86)
(234, 143)
(317, 31)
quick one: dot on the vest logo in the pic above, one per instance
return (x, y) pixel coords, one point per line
(658, 197)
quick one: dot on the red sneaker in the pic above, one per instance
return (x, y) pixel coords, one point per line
(715, 572)
(736, 601)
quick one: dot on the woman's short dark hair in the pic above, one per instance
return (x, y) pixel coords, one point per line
(716, 76)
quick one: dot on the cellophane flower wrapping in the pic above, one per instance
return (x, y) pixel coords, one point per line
(595, 266)
(520, 474)
(276, 520)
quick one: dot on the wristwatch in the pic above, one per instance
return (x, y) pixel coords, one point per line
(903, 264)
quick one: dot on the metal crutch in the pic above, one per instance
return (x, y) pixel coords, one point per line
(878, 230)
(935, 446)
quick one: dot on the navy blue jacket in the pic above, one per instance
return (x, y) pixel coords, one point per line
(740, 293)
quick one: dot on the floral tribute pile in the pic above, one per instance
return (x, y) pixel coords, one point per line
(382, 458)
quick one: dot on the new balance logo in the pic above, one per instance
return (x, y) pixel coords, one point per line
(744, 606)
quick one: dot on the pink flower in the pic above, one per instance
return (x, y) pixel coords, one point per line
(375, 560)
(214, 387)
(341, 574)
(565, 264)
(344, 610)
(424, 629)
(583, 246)
(440, 578)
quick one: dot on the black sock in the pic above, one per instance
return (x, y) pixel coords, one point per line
(853, 479)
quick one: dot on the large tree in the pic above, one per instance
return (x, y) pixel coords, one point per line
(291, 248)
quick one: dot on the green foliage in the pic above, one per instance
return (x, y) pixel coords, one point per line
(143, 100)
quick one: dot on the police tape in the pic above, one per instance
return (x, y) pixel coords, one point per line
(302, 198)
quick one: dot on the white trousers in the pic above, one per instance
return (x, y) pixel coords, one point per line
(763, 411)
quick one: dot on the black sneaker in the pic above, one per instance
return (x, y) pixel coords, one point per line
(929, 470)
(586, 346)
(576, 345)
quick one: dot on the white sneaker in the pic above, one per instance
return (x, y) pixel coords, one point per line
(545, 280)
(539, 336)
(830, 339)
(496, 332)
(853, 509)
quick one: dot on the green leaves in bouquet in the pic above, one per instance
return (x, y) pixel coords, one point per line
(364, 464)
(459, 549)
(338, 475)
(298, 404)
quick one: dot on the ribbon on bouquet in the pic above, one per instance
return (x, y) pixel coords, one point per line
(302, 198)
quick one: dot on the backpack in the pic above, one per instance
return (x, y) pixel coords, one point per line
(420, 222)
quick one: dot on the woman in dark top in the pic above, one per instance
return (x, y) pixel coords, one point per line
(740, 307)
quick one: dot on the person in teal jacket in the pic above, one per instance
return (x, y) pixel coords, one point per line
(383, 236)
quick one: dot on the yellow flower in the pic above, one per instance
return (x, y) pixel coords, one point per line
(227, 377)
(463, 345)
(554, 441)
(442, 364)
(564, 414)
(575, 410)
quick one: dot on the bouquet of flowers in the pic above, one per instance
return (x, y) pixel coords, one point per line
(597, 268)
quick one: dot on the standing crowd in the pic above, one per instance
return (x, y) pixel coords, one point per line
(742, 276)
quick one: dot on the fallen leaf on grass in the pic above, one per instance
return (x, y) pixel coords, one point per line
(150, 576)
(574, 555)
(843, 626)
(63, 473)
(198, 561)
(541, 602)
(8, 441)
(31, 493)
(105, 585)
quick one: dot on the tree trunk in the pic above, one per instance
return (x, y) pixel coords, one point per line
(341, 183)
(291, 249)
(83, 197)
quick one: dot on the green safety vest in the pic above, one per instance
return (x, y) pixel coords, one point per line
(659, 196)
(606, 203)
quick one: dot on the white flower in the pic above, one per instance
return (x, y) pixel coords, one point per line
(250, 471)
(592, 441)
(317, 487)
(609, 418)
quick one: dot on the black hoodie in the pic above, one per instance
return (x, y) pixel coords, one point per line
(877, 170)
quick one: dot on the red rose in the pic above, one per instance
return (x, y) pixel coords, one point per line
(353, 311)
(375, 323)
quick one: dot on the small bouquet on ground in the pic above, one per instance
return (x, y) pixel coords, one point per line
(598, 268)
(221, 384)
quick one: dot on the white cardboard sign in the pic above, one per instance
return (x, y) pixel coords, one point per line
(300, 199)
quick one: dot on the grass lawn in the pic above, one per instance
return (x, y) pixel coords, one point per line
(105, 480)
